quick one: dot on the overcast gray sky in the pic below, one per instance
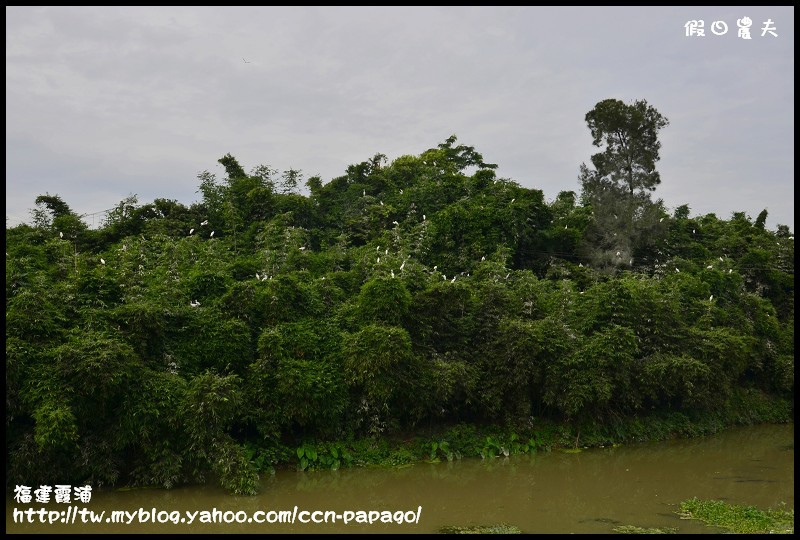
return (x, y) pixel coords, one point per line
(105, 102)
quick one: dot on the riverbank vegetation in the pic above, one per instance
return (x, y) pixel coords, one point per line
(418, 309)
(738, 519)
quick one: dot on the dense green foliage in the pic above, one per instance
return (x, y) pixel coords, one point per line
(423, 292)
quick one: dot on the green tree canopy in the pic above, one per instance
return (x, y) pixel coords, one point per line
(630, 135)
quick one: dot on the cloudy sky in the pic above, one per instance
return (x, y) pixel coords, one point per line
(107, 102)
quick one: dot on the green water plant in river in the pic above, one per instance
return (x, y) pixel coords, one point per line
(500, 528)
(739, 519)
(633, 529)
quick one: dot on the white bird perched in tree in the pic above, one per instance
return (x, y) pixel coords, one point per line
(194, 303)
(508, 275)
(580, 265)
(660, 220)
(204, 223)
(377, 248)
(631, 263)
(721, 259)
(453, 280)
(211, 235)
(444, 277)
(265, 277)
(363, 192)
(709, 267)
(423, 217)
(512, 200)
(710, 298)
(401, 192)
(191, 231)
(386, 252)
(694, 231)
(676, 269)
(615, 216)
(395, 223)
(102, 260)
(258, 278)
(379, 260)
(730, 270)
(392, 271)
(381, 203)
(565, 227)
(61, 234)
(302, 248)
(483, 258)
(619, 254)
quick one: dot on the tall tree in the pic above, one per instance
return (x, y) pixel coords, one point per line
(630, 134)
(627, 223)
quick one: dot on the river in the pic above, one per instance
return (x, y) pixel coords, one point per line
(548, 492)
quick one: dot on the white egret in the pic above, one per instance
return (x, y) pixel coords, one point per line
(204, 223)
(619, 254)
(61, 235)
(721, 259)
(401, 192)
(709, 267)
(258, 278)
(694, 231)
(423, 217)
(403, 265)
(381, 203)
(631, 263)
(453, 280)
(580, 265)
(102, 260)
(710, 298)
(363, 192)
(444, 277)
(211, 235)
(512, 200)
(565, 227)
(396, 224)
(302, 248)
(191, 231)
(386, 252)
(194, 303)
(660, 220)
(392, 271)
(483, 259)
(730, 270)
(676, 269)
